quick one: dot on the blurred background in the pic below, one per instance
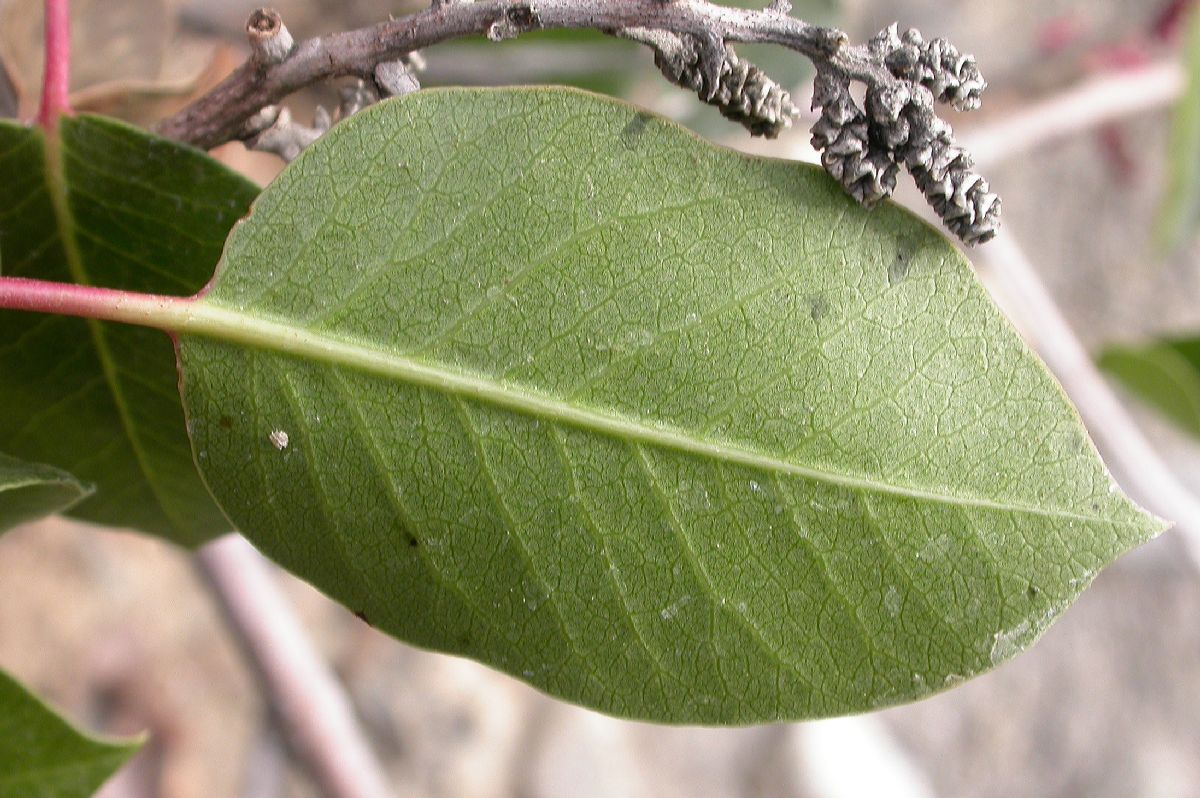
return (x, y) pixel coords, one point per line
(120, 632)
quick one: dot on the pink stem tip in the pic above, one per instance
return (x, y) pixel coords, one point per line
(56, 76)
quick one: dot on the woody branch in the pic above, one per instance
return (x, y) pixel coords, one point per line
(692, 40)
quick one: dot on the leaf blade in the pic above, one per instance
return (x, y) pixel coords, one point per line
(1165, 374)
(105, 204)
(29, 491)
(41, 754)
(508, 437)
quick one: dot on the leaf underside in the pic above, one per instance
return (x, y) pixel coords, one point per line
(42, 755)
(106, 204)
(534, 377)
(29, 491)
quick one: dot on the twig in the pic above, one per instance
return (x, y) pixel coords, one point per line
(272, 130)
(905, 76)
(1088, 105)
(57, 70)
(1017, 288)
(218, 116)
(312, 707)
(270, 41)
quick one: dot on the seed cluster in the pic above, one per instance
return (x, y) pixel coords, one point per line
(740, 90)
(866, 169)
(937, 65)
(863, 149)
(710, 67)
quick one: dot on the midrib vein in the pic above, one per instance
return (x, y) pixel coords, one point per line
(208, 319)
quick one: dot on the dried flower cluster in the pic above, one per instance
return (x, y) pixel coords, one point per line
(741, 91)
(863, 149)
(937, 65)
(866, 169)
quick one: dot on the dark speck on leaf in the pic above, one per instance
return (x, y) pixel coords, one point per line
(225, 422)
(1033, 592)
(898, 268)
(818, 308)
(412, 541)
(634, 130)
(362, 616)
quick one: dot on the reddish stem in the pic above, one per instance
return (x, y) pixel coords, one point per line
(83, 301)
(56, 76)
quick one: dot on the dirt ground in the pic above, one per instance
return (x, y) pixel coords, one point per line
(119, 631)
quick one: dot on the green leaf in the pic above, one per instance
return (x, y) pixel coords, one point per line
(1180, 211)
(106, 204)
(1164, 374)
(42, 755)
(678, 434)
(29, 491)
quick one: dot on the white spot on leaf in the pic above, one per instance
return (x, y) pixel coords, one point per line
(891, 600)
(1008, 644)
(279, 439)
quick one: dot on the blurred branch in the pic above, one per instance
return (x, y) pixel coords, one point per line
(1017, 288)
(1090, 104)
(850, 757)
(309, 703)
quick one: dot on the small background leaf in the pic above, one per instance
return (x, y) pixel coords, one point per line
(1164, 374)
(536, 377)
(581, 58)
(29, 491)
(1179, 215)
(135, 212)
(42, 755)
